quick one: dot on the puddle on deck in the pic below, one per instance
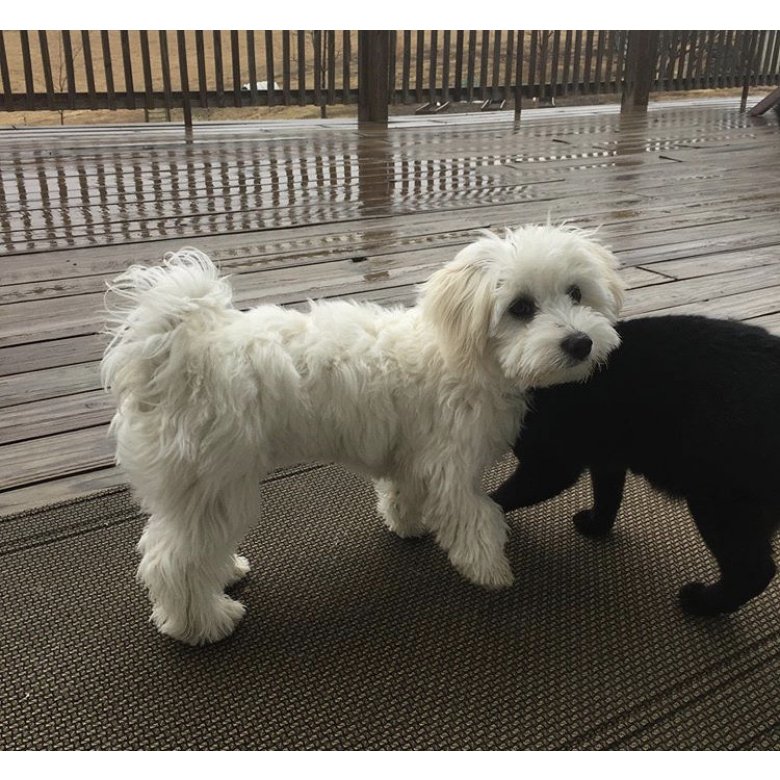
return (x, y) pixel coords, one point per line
(66, 189)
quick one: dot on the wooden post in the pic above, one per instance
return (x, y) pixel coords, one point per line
(373, 63)
(641, 56)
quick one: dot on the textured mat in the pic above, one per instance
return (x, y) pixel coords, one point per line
(356, 639)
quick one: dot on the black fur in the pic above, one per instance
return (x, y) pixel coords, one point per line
(693, 405)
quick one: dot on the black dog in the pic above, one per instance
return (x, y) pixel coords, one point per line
(693, 405)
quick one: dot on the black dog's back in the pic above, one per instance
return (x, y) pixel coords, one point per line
(689, 402)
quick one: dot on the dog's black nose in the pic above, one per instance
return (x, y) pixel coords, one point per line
(577, 345)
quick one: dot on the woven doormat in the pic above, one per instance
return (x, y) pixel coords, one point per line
(357, 639)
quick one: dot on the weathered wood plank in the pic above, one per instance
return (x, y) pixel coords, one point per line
(49, 383)
(59, 489)
(50, 354)
(51, 416)
(74, 452)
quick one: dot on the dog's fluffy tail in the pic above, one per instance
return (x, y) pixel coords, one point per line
(146, 307)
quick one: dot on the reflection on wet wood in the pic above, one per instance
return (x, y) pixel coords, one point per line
(686, 196)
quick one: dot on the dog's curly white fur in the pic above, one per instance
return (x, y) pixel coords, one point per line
(210, 398)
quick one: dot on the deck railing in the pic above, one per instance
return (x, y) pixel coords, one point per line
(186, 69)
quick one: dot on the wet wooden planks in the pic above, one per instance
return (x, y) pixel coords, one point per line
(686, 196)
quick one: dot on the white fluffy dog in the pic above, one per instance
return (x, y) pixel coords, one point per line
(210, 399)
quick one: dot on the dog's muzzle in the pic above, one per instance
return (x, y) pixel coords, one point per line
(577, 345)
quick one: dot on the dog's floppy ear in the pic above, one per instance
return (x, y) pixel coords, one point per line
(457, 301)
(608, 265)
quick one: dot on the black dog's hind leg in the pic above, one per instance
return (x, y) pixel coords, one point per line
(536, 481)
(607, 494)
(739, 536)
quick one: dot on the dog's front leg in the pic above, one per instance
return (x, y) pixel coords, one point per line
(607, 494)
(471, 528)
(400, 505)
(535, 480)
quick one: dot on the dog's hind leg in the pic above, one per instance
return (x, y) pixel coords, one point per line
(739, 536)
(400, 505)
(188, 558)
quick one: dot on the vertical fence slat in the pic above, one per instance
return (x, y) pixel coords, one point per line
(286, 67)
(598, 75)
(697, 71)
(587, 73)
(165, 65)
(460, 36)
(146, 60)
(108, 68)
(693, 42)
(235, 60)
(714, 59)
(347, 66)
(127, 66)
(620, 58)
(219, 76)
(682, 52)
(534, 43)
(755, 40)
(554, 64)
(496, 81)
(544, 45)
(70, 72)
(331, 35)
(745, 67)
(43, 44)
(301, 67)
(483, 65)
(251, 57)
(577, 61)
(29, 84)
(406, 68)
(184, 77)
(419, 63)
(567, 54)
(433, 56)
(470, 65)
(4, 74)
(270, 76)
(510, 51)
(729, 67)
(200, 60)
(446, 48)
(611, 37)
(86, 51)
(773, 68)
(519, 72)
(317, 44)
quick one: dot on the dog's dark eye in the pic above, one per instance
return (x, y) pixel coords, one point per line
(574, 293)
(523, 309)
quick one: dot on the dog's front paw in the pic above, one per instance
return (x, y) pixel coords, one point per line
(210, 622)
(702, 600)
(239, 569)
(397, 517)
(589, 524)
(494, 574)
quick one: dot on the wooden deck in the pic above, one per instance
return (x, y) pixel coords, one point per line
(687, 196)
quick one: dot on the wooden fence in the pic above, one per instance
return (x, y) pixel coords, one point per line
(142, 69)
